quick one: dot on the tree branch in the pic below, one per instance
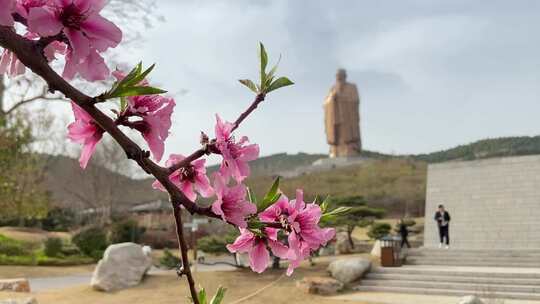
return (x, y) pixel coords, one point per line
(186, 269)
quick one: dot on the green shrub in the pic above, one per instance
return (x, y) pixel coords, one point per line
(59, 219)
(169, 260)
(212, 244)
(11, 247)
(126, 231)
(92, 242)
(379, 230)
(53, 247)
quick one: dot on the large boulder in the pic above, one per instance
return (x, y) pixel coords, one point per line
(19, 301)
(376, 251)
(320, 285)
(470, 300)
(123, 265)
(16, 285)
(349, 270)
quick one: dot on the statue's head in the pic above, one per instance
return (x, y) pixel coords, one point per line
(341, 75)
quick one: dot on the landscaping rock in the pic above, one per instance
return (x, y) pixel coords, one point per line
(123, 265)
(349, 270)
(470, 300)
(376, 251)
(320, 285)
(19, 301)
(16, 285)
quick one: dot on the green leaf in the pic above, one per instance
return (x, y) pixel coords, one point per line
(141, 76)
(274, 69)
(123, 104)
(251, 196)
(248, 83)
(132, 74)
(136, 91)
(279, 83)
(271, 196)
(202, 296)
(324, 204)
(218, 297)
(263, 56)
(255, 224)
(335, 213)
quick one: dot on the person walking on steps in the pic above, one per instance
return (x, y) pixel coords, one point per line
(404, 232)
(443, 222)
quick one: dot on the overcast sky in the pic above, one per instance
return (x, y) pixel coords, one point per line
(431, 74)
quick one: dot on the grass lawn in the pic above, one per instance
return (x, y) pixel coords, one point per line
(168, 289)
(32, 235)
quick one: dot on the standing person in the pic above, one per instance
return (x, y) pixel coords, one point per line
(404, 232)
(443, 222)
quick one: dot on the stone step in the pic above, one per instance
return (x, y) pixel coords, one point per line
(444, 292)
(509, 280)
(473, 262)
(463, 253)
(472, 288)
(485, 273)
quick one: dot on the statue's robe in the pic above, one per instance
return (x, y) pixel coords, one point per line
(342, 120)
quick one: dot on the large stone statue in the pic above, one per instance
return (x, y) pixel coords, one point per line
(342, 118)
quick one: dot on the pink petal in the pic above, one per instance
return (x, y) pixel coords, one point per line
(278, 249)
(243, 243)
(157, 185)
(259, 257)
(93, 68)
(80, 45)
(187, 189)
(202, 184)
(88, 149)
(103, 34)
(5, 13)
(44, 22)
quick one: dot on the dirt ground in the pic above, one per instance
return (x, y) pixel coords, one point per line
(33, 235)
(273, 286)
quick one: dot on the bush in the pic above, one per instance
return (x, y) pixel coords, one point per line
(126, 231)
(92, 242)
(212, 244)
(53, 247)
(169, 260)
(59, 219)
(11, 247)
(379, 230)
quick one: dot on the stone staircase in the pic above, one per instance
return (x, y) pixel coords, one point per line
(505, 274)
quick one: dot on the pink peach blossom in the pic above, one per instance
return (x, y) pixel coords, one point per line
(235, 155)
(231, 203)
(188, 179)
(84, 131)
(301, 221)
(86, 30)
(255, 246)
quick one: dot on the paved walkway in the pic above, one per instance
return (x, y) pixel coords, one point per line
(49, 283)
(397, 298)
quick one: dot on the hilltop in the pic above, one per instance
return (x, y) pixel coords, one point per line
(387, 180)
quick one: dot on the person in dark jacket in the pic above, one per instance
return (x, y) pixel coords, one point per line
(443, 222)
(404, 232)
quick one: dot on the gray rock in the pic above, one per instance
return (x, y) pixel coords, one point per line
(320, 285)
(123, 265)
(19, 301)
(349, 270)
(470, 300)
(16, 285)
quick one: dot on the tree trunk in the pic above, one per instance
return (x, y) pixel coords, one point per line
(349, 235)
